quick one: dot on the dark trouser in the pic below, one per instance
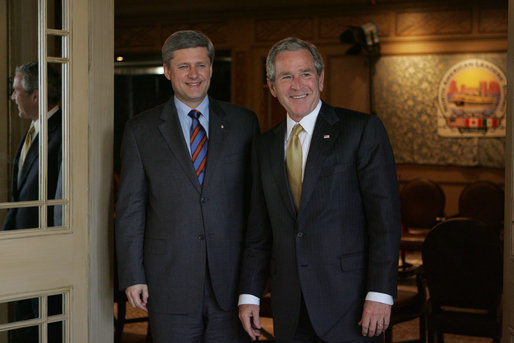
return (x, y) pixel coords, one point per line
(305, 332)
(209, 324)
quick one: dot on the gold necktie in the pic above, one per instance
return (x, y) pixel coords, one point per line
(28, 142)
(294, 165)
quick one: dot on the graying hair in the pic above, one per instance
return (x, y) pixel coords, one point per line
(30, 77)
(291, 44)
(184, 40)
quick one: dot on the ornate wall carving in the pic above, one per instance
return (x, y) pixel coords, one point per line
(217, 32)
(137, 38)
(241, 71)
(434, 23)
(493, 20)
(331, 27)
(275, 29)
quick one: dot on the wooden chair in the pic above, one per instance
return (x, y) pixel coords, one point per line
(422, 206)
(483, 200)
(462, 260)
(410, 305)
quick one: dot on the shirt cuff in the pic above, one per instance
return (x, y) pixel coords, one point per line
(379, 297)
(248, 299)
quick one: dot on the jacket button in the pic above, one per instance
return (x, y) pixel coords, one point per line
(299, 234)
(203, 200)
(201, 237)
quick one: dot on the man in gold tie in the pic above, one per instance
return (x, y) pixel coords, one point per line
(25, 174)
(25, 179)
(324, 226)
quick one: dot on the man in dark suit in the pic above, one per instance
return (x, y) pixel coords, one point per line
(25, 174)
(183, 203)
(25, 179)
(324, 216)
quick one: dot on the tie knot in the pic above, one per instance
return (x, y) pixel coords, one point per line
(194, 114)
(296, 130)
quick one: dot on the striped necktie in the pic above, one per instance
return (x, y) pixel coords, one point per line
(199, 144)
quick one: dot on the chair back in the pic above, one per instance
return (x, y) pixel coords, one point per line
(483, 200)
(422, 204)
(462, 260)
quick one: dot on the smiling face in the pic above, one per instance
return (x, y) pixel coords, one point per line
(28, 107)
(297, 85)
(190, 74)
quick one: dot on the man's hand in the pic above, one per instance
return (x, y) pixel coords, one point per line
(138, 296)
(375, 318)
(249, 316)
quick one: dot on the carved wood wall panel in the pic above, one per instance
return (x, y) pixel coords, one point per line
(493, 20)
(274, 30)
(241, 67)
(350, 86)
(137, 38)
(434, 23)
(217, 32)
(331, 27)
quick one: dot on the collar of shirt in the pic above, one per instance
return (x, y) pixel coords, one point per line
(308, 122)
(36, 122)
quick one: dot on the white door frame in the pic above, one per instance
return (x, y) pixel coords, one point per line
(77, 259)
(101, 136)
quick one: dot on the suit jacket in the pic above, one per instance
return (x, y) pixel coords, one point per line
(344, 240)
(27, 187)
(169, 230)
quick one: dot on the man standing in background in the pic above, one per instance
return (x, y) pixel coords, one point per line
(25, 174)
(183, 202)
(25, 180)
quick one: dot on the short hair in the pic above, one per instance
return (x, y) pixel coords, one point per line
(184, 40)
(291, 44)
(30, 78)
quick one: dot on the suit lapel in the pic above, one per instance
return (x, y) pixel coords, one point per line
(30, 160)
(323, 138)
(15, 170)
(278, 169)
(218, 130)
(32, 155)
(172, 133)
